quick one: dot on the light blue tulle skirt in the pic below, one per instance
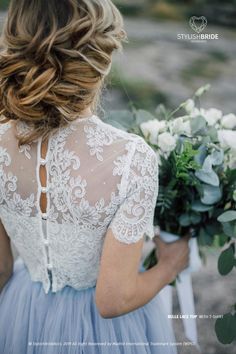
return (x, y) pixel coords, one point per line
(68, 322)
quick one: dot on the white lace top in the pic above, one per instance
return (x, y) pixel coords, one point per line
(98, 177)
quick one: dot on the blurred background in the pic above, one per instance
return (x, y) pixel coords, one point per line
(158, 68)
(155, 67)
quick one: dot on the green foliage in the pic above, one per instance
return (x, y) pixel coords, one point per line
(143, 116)
(185, 163)
(165, 199)
(196, 191)
(229, 229)
(190, 218)
(207, 174)
(228, 216)
(4, 4)
(122, 119)
(226, 260)
(211, 194)
(225, 328)
(151, 260)
(197, 205)
(198, 125)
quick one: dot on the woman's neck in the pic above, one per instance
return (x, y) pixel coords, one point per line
(86, 113)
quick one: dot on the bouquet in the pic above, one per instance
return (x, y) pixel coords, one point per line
(196, 148)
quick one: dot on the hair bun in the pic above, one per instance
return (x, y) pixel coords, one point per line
(56, 55)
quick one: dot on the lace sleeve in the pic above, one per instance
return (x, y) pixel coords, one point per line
(134, 216)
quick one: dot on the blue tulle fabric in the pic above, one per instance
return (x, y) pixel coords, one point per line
(68, 322)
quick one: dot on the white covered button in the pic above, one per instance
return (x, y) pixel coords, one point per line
(44, 189)
(46, 242)
(44, 215)
(49, 266)
(43, 161)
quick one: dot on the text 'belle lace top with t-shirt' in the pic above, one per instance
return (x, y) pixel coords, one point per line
(98, 177)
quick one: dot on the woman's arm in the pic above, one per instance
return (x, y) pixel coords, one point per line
(6, 257)
(121, 288)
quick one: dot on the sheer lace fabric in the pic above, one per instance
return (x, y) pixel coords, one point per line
(98, 177)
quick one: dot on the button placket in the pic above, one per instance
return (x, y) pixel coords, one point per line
(46, 241)
(44, 215)
(49, 266)
(43, 161)
(44, 189)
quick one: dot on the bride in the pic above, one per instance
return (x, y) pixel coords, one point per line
(77, 195)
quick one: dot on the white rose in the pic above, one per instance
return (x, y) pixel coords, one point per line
(181, 126)
(211, 115)
(151, 129)
(189, 106)
(227, 138)
(229, 121)
(166, 142)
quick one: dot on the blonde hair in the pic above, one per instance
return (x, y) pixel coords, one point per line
(55, 57)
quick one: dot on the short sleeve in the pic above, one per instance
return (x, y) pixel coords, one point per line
(134, 216)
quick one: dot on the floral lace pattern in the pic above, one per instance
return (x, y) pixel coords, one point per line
(134, 216)
(98, 177)
(98, 137)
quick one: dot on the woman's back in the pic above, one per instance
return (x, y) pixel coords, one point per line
(76, 195)
(89, 169)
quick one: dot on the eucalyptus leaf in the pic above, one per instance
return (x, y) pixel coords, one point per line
(222, 240)
(124, 118)
(206, 173)
(143, 116)
(208, 177)
(226, 261)
(229, 215)
(229, 229)
(201, 155)
(204, 238)
(185, 220)
(195, 218)
(213, 227)
(217, 157)
(225, 328)
(234, 195)
(197, 124)
(205, 138)
(116, 124)
(161, 111)
(200, 207)
(213, 134)
(211, 194)
(179, 145)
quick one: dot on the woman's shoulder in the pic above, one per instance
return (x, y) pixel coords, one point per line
(118, 133)
(140, 156)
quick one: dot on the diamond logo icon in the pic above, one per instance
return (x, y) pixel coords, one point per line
(198, 24)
